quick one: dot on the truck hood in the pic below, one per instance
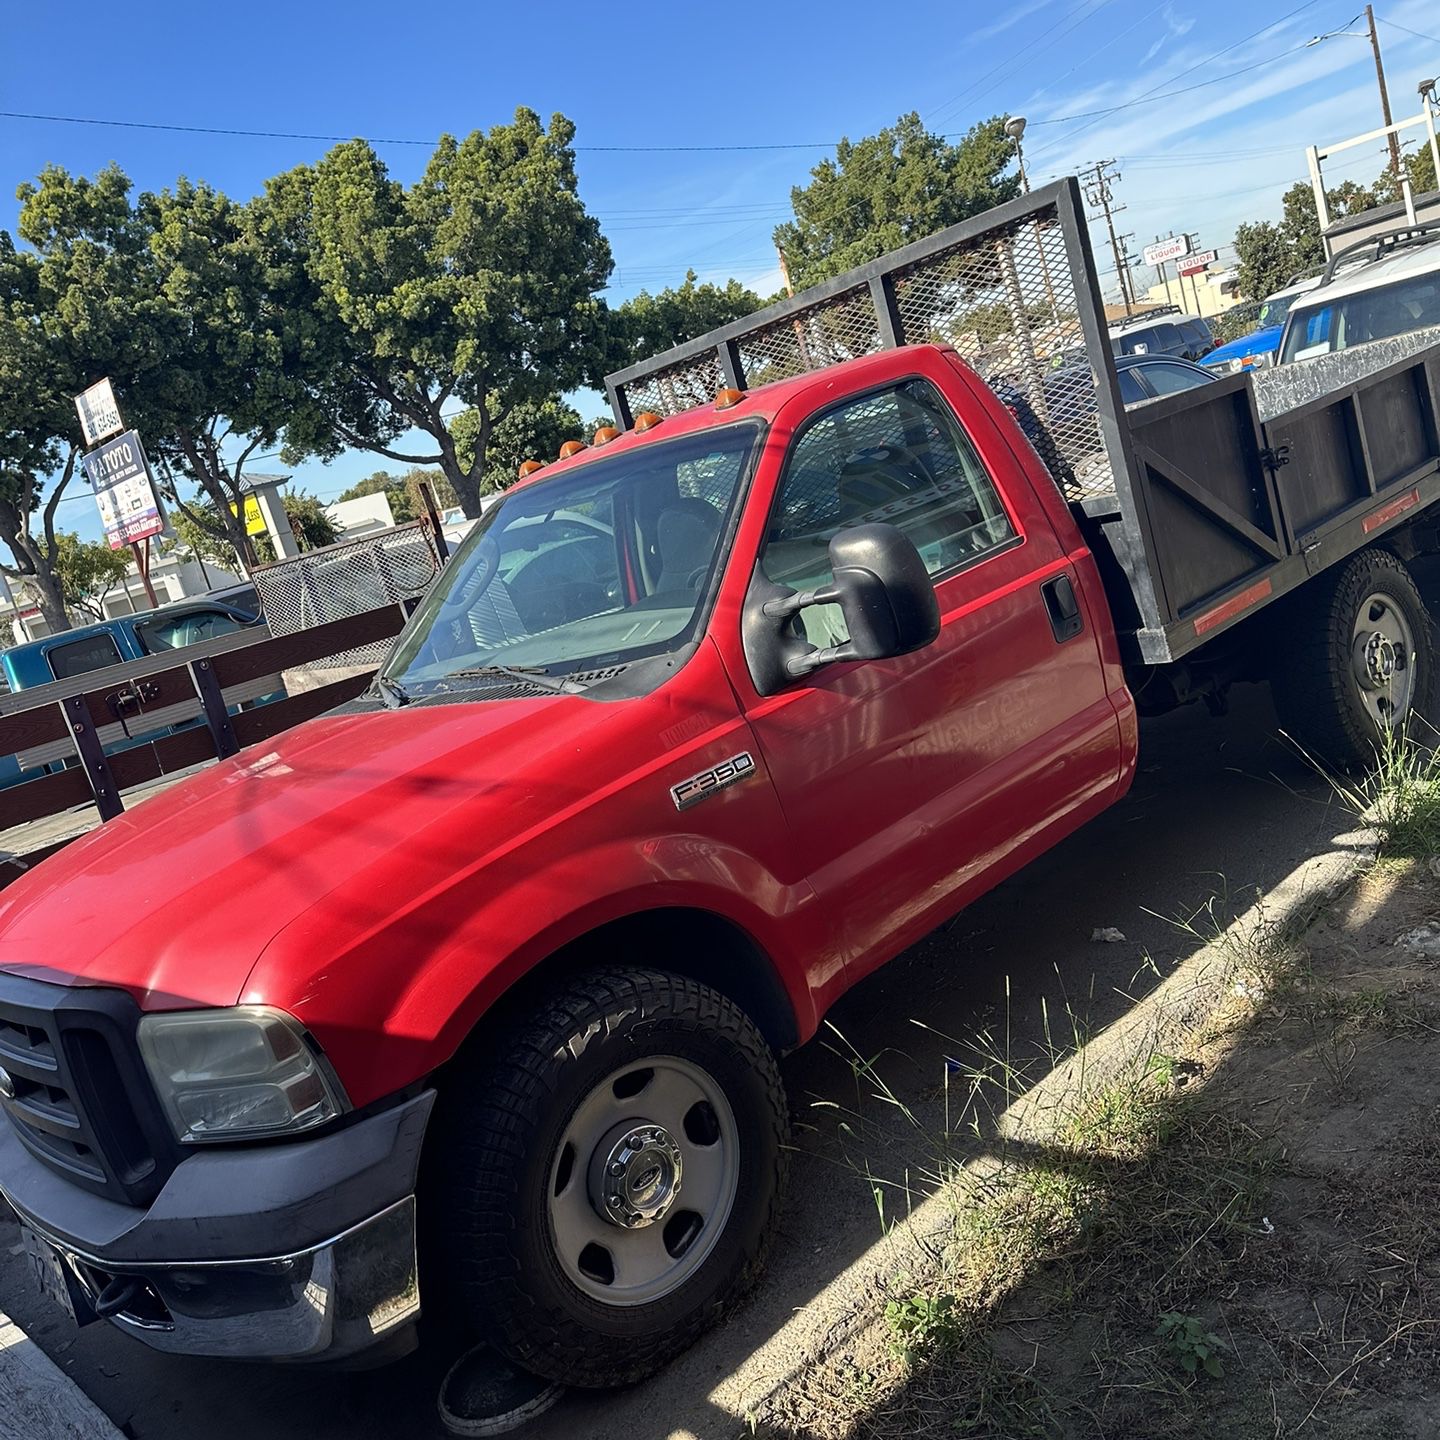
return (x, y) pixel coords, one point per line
(174, 900)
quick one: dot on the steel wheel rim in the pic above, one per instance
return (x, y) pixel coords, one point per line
(642, 1183)
(1382, 661)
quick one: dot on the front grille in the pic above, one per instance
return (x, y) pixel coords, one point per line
(77, 1094)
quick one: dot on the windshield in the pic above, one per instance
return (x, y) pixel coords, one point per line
(1356, 319)
(1276, 308)
(592, 569)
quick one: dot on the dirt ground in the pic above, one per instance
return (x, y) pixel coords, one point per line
(1240, 1239)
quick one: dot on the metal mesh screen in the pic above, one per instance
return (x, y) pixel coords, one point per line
(1005, 302)
(840, 328)
(681, 387)
(347, 579)
(1003, 298)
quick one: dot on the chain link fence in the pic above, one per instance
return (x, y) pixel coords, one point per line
(348, 578)
(1002, 297)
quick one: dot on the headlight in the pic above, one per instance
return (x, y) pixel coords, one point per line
(237, 1074)
(1226, 367)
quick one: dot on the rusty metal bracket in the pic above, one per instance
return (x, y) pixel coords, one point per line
(92, 757)
(212, 701)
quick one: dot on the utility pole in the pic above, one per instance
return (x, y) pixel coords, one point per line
(1098, 193)
(1384, 93)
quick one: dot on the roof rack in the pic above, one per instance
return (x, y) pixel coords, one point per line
(1145, 316)
(1381, 244)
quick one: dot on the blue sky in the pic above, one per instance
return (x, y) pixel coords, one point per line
(711, 75)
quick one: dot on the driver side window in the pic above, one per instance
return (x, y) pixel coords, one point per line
(894, 455)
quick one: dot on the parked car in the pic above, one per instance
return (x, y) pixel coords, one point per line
(1258, 349)
(1165, 331)
(125, 637)
(1382, 287)
(700, 727)
(1070, 393)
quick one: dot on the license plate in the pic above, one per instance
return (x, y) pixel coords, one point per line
(49, 1270)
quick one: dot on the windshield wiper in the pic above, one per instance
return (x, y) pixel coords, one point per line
(535, 675)
(392, 693)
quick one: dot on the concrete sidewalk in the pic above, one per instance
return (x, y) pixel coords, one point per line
(38, 1401)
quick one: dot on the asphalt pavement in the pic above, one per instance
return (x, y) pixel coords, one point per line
(1220, 807)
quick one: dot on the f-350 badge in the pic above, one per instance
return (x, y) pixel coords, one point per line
(708, 782)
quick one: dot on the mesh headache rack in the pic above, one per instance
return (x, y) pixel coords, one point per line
(1012, 291)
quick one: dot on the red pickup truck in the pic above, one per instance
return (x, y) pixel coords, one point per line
(473, 989)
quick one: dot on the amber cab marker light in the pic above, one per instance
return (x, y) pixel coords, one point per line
(571, 447)
(647, 420)
(724, 399)
(530, 467)
(605, 434)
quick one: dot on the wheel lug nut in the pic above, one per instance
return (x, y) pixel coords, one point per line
(617, 1168)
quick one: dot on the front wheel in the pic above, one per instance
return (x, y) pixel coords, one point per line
(607, 1185)
(1361, 665)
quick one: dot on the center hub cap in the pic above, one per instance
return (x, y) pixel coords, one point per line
(1375, 660)
(639, 1174)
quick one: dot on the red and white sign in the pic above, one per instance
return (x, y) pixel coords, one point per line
(1199, 261)
(1175, 248)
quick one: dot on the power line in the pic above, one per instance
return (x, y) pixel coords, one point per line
(1418, 34)
(1199, 65)
(384, 140)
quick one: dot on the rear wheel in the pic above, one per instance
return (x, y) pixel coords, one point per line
(608, 1185)
(1362, 664)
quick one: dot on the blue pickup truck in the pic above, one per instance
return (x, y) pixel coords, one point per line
(115, 641)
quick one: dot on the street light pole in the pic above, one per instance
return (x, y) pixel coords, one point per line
(1015, 128)
(1384, 93)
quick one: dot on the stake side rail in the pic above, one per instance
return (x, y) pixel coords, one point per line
(201, 681)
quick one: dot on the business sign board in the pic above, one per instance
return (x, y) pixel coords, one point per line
(120, 476)
(1175, 248)
(98, 412)
(254, 519)
(1197, 262)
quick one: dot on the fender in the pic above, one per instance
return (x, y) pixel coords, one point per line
(390, 1001)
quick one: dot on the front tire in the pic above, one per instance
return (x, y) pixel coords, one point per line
(607, 1185)
(1362, 664)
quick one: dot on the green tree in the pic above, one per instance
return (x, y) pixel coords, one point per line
(174, 298)
(529, 430)
(479, 283)
(647, 324)
(1271, 254)
(87, 570)
(312, 526)
(35, 417)
(888, 189)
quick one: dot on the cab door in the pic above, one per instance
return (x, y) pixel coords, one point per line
(910, 783)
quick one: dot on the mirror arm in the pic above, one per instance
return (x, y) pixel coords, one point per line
(798, 665)
(784, 606)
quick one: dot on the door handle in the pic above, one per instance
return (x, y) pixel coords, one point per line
(1062, 605)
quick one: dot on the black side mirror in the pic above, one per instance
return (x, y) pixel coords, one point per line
(881, 585)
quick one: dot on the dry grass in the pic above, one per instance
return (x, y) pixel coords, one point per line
(1236, 1237)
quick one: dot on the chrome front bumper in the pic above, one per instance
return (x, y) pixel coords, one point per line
(328, 1301)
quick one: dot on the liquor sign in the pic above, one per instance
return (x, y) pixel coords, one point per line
(98, 412)
(1199, 261)
(1175, 248)
(120, 476)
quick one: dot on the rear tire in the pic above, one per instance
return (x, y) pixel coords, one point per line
(1343, 677)
(632, 1089)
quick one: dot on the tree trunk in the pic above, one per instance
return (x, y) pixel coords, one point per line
(34, 568)
(215, 484)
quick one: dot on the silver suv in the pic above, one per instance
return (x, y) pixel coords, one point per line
(1385, 286)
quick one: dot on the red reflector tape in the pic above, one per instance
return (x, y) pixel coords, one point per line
(1376, 518)
(1232, 607)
